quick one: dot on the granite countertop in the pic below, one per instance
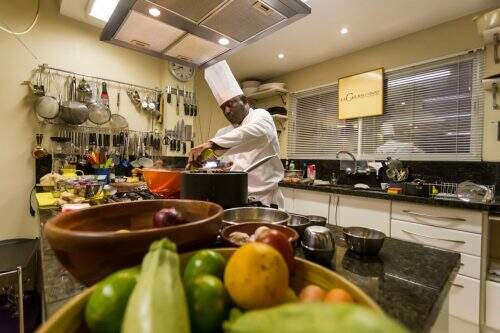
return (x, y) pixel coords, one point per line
(379, 194)
(408, 280)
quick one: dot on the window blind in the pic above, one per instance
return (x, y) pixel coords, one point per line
(432, 111)
(314, 130)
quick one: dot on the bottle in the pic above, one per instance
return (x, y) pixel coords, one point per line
(292, 165)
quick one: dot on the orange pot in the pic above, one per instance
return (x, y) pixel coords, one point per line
(165, 183)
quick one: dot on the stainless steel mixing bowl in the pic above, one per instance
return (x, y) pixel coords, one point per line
(364, 241)
(254, 214)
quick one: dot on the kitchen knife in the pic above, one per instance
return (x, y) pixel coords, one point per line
(178, 95)
(178, 141)
(186, 106)
(195, 105)
(191, 104)
(173, 145)
(169, 94)
(189, 135)
(183, 137)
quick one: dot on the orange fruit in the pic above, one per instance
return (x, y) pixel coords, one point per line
(338, 295)
(311, 293)
(256, 276)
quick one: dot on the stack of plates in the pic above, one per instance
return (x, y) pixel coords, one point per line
(272, 85)
(250, 90)
(250, 87)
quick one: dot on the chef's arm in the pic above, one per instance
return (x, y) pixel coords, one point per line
(241, 138)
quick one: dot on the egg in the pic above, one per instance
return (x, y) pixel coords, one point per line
(338, 295)
(311, 293)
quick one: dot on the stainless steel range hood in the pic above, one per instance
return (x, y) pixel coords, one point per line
(191, 31)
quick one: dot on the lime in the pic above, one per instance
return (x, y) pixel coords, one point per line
(107, 303)
(204, 262)
(206, 299)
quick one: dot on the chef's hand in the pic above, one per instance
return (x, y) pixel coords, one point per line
(227, 166)
(196, 152)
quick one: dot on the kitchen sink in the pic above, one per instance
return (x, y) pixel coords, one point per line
(351, 187)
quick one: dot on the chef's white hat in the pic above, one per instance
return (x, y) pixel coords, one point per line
(221, 81)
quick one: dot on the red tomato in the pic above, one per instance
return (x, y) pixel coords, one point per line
(280, 242)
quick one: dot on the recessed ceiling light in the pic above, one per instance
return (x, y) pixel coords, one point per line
(223, 41)
(304, 0)
(281, 55)
(344, 30)
(154, 12)
(102, 9)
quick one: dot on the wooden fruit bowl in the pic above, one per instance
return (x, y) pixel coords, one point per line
(90, 243)
(71, 317)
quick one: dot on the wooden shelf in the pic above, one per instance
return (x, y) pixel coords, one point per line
(267, 93)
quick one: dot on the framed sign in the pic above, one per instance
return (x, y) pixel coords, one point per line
(361, 95)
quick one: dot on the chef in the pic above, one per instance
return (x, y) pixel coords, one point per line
(250, 137)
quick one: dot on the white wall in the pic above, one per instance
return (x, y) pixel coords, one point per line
(65, 43)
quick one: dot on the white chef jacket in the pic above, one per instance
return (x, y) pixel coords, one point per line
(249, 142)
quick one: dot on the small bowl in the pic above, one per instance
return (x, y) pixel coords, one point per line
(318, 245)
(318, 238)
(364, 241)
(249, 229)
(317, 220)
(299, 223)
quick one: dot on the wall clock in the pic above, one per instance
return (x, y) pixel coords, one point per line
(181, 72)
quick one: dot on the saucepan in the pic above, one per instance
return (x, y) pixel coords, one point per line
(226, 188)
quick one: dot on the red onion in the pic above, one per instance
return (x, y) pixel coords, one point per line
(167, 217)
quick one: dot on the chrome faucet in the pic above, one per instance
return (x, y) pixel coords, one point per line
(357, 167)
(349, 170)
(347, 153)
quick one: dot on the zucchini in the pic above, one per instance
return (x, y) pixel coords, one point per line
(158, 303)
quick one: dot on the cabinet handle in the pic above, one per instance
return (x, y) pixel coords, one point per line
(440, 239)
(455, 219)
(457, 285)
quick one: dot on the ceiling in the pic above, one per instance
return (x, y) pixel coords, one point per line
(317, 37)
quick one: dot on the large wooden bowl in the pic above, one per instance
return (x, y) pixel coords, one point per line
(89, 246)
(70, 318)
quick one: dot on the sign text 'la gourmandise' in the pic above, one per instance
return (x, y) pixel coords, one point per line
(361, 95)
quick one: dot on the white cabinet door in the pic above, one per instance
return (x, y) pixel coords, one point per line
(444, 217)
(364, 212)
(493, 304)
(311, 203)
(458, 325)
(288, 194)
(448, 239)
(464, 299)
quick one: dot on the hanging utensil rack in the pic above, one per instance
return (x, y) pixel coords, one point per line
(46, 67)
